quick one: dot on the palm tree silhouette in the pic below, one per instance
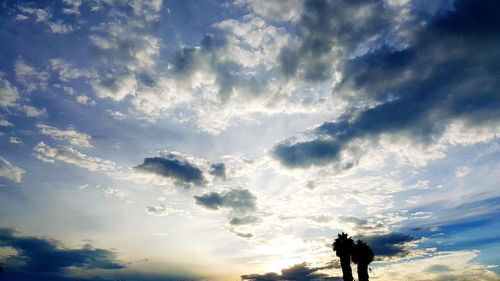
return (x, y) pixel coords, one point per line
(343, 247)
(362, 255)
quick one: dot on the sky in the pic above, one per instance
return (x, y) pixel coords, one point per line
(233, 140)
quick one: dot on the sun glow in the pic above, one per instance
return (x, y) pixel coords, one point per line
(288, 251)
(278, 264)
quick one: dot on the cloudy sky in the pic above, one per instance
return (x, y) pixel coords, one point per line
(219, 140)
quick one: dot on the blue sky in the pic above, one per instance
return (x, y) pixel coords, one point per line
(209, 140)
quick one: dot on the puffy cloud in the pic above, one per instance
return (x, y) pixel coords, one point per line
(41, 15)
(5, 123)
(73, 7)
(218, 170)
(127, 50)
(115, 86)
(8, 93)
(116, 114)
(274, 9)
(302, 271)
(305, 154)
(391, 244)
(419, 92)
(329, 31)
(83, 99)
(45, 16)
(9, 171)
(67, 71)
(238, 200)
(15, 140)
(228, 79)
(34, 112)
(47, 256)
(29, 76)
(173, 167)
(59, 27)
(71, 135)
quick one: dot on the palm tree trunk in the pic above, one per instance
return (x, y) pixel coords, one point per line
(362, 272)
(345, 263)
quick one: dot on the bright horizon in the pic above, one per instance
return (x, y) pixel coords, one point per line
(205, 140)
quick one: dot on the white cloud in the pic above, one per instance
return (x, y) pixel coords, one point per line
(116, 114)
(68, 71)
(71, 135)
(21, 17)
(71, 156)
(34, 112)
(15, 140)
(253, 42)
(45, 16)
(116, 87)
(73, 7)
(458, 266)
(59, 27)
(83, 99)
(41, 15)
(274, 9)
(5, 123)
(9, 171)
(29, 76)
(8, 93)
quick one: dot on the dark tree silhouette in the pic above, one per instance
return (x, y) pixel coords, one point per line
(343, 247)
(362, 255)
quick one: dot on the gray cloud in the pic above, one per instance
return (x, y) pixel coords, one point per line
(447, 72)
(242, 234)
(299, 272)
(41, 255)
(236, 221)
(218, 170)
(390, 244)
(363, 225)
(329, 30)
(305, 154)
(238, 200)
(171, 166)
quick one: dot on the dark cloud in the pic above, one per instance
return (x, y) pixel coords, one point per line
(305, 154)
(298, 272)
(389, 245)
(239, 200)
(447, 72)
(47, 256)
(329, 30)
(44, 259)
(218, 170)
(244, 220)
(173, 167)
(242, 234)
